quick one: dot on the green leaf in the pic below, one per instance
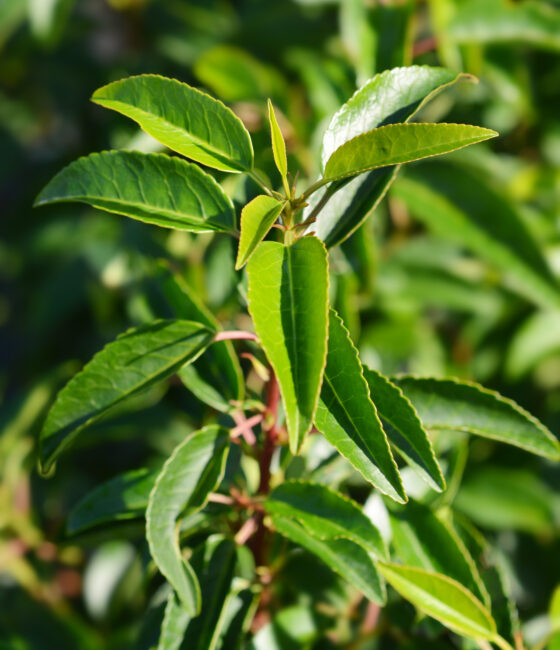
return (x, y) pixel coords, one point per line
(135, 361)
(497, 21)
(48, 18)
(536, 339)
(153, 188)
(257, 218)
(426, 541)
(288, 303)
(278, 144)
(404, 430)
(123, 497)
(183, 119)
(442, 598)
(395, 144)
(174, 624)
(348, 418)
(392, 96)
(351, 561)
(465, 406)
(195, 468)
(458, 205)
(505, 499)
(325, 514)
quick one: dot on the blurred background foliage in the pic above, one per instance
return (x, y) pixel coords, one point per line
(455, 274)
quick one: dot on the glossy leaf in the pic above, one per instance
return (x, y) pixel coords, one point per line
(288, 303)
(442, 598)
(133, 362)
(458, 205)
(257, 218)
(395, 144)
(346, 558)
(278, 144)
(154, 188)
(404, 430)
(195, 468)
(466, 406)
(123, 497)
(325, 514)
(348, 418)
(426, 541)
(183, 119)
(390, 97)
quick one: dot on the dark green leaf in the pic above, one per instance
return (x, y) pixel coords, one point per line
(135, 361)
(348, 418)
(257, 218)
(154, 188)
(183, 119)
(195, 468)
(288, 303)
(466, 406)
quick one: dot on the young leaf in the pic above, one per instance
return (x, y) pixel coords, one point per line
(257, 218)
(458, 205)
(349, 560)
(153, 188)
(395, 144)
(195, 468)
(348, 418)
(442, 598)
(123, 497)
(135, 361)
(425, 541)
(278, 145)
(325, 514)
(288, 303)
(405, 430)
(466, 406)
(183, 119)
(392, 96)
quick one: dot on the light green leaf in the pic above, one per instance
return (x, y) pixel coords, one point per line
(278, 144)
(195, 468)
(536, 339)
(496, 21)
(153, 188)
(288, 303)
(351, 561)
(174, 624)
(183, 119)
(466, 406)
(426, 541)
(392, 96)
(48, 18)
(325, 514)
(459, 206)
(123, 497)
(395, 144)
(442, 598)
(135, 361)
(348, 418)
(257, 218)
(404, 430)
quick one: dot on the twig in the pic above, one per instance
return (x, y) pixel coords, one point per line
(248, 529)
(245, 427)
(234, 335)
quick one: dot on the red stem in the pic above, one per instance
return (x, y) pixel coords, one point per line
(235, 335)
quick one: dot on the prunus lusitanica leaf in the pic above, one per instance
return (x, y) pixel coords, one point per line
(425, 541)
(346, 558)
(194, 469)
(278, 144)
(536, 339)
(395, 144)
(325, 514)
(392, 96)
(459, 205)
(405, 430)
(257, 218)
(348, 419)
(123, 497)
(443, 598)
(133, 362)
(154, 188)
(288, 303)
(183, 119)
(465, 406)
